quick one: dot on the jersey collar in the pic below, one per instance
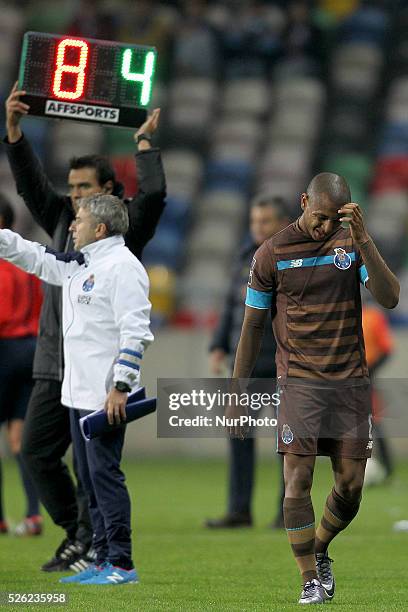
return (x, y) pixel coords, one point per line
(102, 247)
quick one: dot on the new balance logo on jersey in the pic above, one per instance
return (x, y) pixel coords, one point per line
(296, 263)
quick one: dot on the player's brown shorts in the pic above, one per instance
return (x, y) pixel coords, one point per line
(333, 421)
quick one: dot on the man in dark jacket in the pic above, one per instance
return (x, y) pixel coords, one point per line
(46, 436)
(267, 216)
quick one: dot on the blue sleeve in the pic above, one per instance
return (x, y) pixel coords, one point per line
(259, 299)
(261, 291)
(363, 275)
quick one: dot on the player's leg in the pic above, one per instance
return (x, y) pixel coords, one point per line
(343, 501)
(46, 438)
(299, 522)
(80, 448)
(241, 470)
(341, 507)
(384, 451)
(279, 522)
(104, 456)
(6, 369)
(3, 524)
(299, 418)
(298, 511)
(86, 570)
(32, 524)
(84, 530)
(21, 385)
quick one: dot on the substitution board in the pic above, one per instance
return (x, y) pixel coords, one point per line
(85, 79)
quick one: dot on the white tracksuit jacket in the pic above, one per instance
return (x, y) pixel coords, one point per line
(105, 314)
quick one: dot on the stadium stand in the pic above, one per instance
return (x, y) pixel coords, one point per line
(248, 106)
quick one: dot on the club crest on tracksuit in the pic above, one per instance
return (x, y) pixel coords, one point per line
(89, 283)
(342, 260)
(287, 434)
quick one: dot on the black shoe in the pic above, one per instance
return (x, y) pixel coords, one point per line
(230, 521)
(67, 553)
(84, 561)
(278, 523)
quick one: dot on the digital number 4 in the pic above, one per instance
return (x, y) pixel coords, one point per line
(144, 77)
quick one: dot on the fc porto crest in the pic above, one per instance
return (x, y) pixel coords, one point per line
(342, 260)
(287, 434)
(89, 283)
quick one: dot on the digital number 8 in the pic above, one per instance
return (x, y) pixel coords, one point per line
(79, 70)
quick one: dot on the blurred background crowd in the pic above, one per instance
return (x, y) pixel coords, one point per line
(256, 97)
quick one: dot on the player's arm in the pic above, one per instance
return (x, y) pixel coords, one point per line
(250, 341)
(260, 298)
(247, 353)
(35, 258)
(381, 282)
(147, 206)
(32, 184)
(131, 308)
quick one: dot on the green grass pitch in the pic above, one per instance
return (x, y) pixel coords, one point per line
(183, 567)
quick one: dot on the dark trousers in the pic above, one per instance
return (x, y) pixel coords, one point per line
(16, 383)
(383, 450)
(109, 502)
(242, 477)
(46, 438)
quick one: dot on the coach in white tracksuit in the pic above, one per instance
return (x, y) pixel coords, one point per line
(106, 330)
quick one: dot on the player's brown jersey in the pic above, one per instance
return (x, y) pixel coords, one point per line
(313, 288)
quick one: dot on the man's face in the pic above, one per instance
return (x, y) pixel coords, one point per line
(264, 222)
(84, 228)
(320, 216)
(82, 183)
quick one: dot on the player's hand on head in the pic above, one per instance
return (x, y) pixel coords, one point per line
(352, 214)
(15, 108)
(115, 407)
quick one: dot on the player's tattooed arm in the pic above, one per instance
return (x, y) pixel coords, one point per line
(382, 283)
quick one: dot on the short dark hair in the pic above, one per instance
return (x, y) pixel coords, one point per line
(6, 212)
(278, 203)
(103, 167)
(333, 185)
